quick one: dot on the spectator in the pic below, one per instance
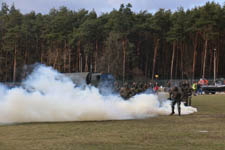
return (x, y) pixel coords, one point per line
(156, 88)
(205, 82)
(199, 89)
(201, 82)
(194, 87)
(199, 86)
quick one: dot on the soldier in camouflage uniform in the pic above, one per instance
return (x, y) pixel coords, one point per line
(146, 86)
(124, 91)
(187, 92)
(133, 89)
(176, 95)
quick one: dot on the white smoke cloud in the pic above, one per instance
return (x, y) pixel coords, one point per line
(48, 96)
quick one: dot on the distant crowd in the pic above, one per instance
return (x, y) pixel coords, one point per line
(197, 86)
(129, 89)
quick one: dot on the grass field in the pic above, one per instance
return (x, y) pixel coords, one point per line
(204, 130)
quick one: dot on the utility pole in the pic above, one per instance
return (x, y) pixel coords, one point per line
(214, 65)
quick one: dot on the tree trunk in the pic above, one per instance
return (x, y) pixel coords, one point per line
(96, 56)
(177, 63)
(78, 56)
(86, 63)
(69, 60)
(56, 57)
(25, 57)
(6, 66)
(14, 64)
(210, 62)
(48, 56)
(194, 56)
(166, 68)
(172, 60)
(64, 57)
(204, 59)
(124, 59)
(181, 60)
(138, 48)
(146, 66)
(155, 55)
(217, 61)
(108, 68)
(81, 63)
(42, 53)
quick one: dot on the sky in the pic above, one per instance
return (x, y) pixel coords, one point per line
(102, 6)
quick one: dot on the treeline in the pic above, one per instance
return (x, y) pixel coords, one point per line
(128, 44)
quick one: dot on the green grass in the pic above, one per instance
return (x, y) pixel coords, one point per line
(204, 130)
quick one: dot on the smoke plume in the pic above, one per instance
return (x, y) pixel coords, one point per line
(49, 96)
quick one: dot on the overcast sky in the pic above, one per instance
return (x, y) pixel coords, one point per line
(43, 6)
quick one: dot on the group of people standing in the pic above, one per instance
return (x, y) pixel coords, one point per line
(197, 86)
(128, 90)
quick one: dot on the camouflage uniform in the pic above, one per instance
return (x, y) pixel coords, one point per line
(124, 91)
(176, 96)
(140, 87)
(187, 92)
(189, 96)
(133, 89)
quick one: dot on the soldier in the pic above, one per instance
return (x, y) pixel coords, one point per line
(189, 96)
(187, 92)
(133, 89)
(138, 88)
(145, 86)
(124, 91)
(176, 96)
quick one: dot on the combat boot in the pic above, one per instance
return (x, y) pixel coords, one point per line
(179, 111)
(172, 111)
